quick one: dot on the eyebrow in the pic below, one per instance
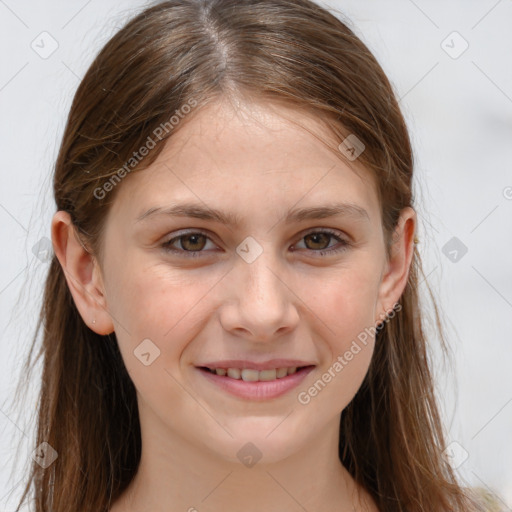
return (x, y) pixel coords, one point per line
(198, 211)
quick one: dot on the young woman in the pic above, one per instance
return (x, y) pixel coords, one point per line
(231, 317)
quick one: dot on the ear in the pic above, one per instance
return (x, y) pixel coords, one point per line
(396, 270)
(82, 274)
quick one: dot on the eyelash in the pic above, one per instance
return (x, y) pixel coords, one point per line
(194, 254)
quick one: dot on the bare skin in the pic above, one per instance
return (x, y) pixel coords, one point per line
(290, 302)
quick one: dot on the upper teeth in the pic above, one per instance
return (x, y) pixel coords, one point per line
(248, 374)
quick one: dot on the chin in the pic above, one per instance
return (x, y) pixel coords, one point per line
(257, 446)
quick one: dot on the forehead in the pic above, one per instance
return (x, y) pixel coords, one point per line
(252, 158)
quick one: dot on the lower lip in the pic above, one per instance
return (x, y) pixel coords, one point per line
(260, 390)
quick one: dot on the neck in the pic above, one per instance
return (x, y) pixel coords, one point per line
(177, 475)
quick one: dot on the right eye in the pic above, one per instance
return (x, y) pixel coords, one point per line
(191, 244)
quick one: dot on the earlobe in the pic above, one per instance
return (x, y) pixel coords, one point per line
(396, 274)
(82, 274)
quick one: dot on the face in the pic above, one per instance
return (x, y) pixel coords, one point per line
(190, 290)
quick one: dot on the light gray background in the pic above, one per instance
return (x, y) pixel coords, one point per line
(459, 111)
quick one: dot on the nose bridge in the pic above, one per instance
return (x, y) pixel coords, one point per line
(262, 302)
(258, 281)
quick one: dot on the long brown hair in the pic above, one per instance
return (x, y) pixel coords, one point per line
(192, 52)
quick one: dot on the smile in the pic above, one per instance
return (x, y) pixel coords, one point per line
(256, 385)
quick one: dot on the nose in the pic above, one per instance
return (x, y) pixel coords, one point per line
(261, 305)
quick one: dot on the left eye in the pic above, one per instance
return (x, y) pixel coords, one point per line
(193, 243)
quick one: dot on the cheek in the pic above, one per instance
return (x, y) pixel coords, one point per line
(157, 303)
(347, 301)
(336, 384)
(346, 305)
(350, 345)
(156, 315)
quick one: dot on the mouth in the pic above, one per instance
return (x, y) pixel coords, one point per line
(252, 384)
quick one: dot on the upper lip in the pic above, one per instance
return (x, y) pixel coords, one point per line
(265, 365)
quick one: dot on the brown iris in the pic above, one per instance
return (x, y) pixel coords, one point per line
(318, 238)
(198, 242)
